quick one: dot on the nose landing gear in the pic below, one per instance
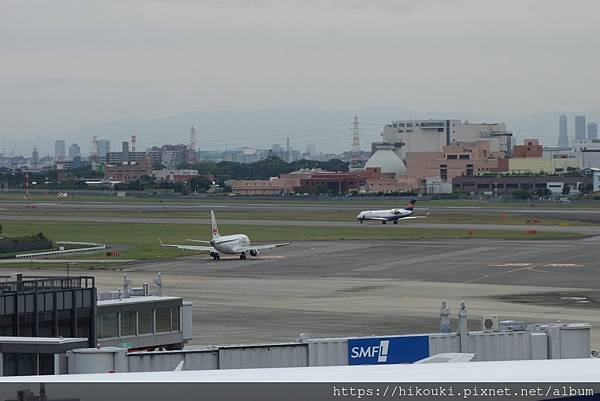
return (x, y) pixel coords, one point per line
(243, 256)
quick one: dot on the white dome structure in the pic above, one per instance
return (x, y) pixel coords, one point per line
(388, 161)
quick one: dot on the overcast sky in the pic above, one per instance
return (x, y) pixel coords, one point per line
(65, 64)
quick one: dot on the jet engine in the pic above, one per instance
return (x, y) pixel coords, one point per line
(253, 252)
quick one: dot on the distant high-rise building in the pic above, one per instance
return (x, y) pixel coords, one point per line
(580, 127)
(563, 136)
(125, 151)
(59, 150)
(103, 147)
(35, 159)
(592, 131)
(74, 151)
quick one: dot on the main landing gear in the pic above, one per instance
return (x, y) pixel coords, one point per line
(215, 256)
(243, 256)
(395, 221)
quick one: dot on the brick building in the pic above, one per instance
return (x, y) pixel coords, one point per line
(457, 159)
(530, 148)
(127, 172)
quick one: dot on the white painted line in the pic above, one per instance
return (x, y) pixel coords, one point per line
(511, 265)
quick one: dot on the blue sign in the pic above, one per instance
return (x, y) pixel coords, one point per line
(374, 351)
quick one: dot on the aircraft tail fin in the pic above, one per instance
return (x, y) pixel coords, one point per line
(215, 229)
(411, 204)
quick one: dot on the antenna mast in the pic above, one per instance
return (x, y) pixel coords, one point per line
(355, 162)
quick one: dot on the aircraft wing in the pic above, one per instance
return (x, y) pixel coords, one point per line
(377, 218)
(261, 247)
(198, 240)
(190, 247)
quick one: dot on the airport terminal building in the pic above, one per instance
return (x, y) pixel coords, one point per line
(44, 318)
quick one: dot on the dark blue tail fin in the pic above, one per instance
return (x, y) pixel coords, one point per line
(411, 204)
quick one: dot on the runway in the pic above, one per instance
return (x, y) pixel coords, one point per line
(345, 288)
(587, 230)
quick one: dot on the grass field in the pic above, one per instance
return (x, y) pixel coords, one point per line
(307, 215)
(140, 241)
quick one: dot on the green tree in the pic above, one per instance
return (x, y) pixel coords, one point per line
(520, 194)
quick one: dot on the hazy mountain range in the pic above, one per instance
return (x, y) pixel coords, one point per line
(329, 130)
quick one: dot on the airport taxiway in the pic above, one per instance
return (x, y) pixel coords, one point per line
(339, 288)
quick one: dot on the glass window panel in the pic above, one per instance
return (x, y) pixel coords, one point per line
(2, 305)
(68, 299)
(110, 325)
(78, 300)
(128, 323)
(26, 325)
(40, 302)
(46, 324)
(7, 325)
(87, 298)
(60, 300)
(65, 323)
(46, 366)
(83, 327)
(10, 305)
(26, 364)
(9, 362)
(29, 300)
(20, 303)
(49, 301)
(175, 319)
(145, 318)
(163, 320)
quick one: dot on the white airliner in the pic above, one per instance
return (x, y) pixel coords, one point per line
(236, 244)
(390, 214)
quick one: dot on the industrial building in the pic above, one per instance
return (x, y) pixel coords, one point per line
(126, 155)
(543, 165)
(175, 175)
(433, 135)
(301, 181)
(507, 184)
(457, 159)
